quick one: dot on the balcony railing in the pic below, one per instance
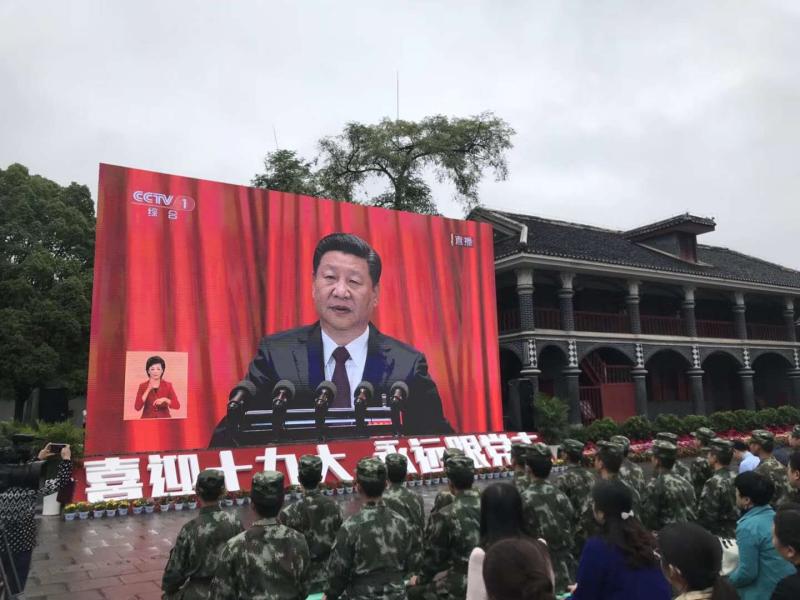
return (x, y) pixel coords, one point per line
(591, 404)
(547, 318)
(716, 329)
(761, 331)
(508, 319)
(652, 325)
(605, 322)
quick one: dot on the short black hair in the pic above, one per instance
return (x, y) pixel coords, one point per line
(210, 495)
(611, 462)
(666, 462)
(267, 508)
(787, 528)
(766, 445)
(461, 479)
(396, 472)
(373, 488)
(309, 482)
(740, 446)
(794, 464)
(723, 456)
(574, 457)
(754, 486)
(155, 360)
(349, 244)
(539, 465)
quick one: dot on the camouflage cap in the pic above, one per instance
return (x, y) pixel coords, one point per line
(268, 485)
(459, 466)
(573, 446)
(704, 434)
(622, 441)
(761, 436)
(796, 431)
(519, 452)
(210, 482)
(396, 460)
(371, 469)
(451, 452)
(664, 449)
(610, 447)
(721, 445)
(667, 436)
(540, 449)
(310, 466)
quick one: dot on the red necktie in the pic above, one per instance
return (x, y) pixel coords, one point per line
(340, 380)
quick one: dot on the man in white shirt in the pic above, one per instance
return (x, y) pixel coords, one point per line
(747, 460)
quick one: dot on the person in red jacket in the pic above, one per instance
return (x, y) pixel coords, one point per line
(156, 395)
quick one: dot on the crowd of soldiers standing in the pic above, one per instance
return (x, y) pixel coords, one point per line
(389, 550)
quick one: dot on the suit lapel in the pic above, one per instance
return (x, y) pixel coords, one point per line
(311, 361)
(378, 363)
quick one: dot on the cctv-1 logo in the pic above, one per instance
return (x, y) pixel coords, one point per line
(179, 202)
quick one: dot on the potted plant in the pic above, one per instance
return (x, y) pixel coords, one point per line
(122, 508)
(70, 512)
(426, 479)
(111, 508)
(241, 497)
(348, 486)
(149, 506)
(297, 491)
(98, 510)
(192, 502)
(329, 491)
(340, 488)
(163, 504)
(435, 478)
(551, 414)
(84, 510)
(138, 506)
(179, 502)
(229, 499)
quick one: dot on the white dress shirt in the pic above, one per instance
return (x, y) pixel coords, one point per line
(749, 462)
(353, 365)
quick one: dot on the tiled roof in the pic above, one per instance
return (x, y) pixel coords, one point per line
(594, 244)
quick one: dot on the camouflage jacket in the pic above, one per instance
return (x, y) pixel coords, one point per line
(441, 500)
(776, 472)
(521, 481)
(193, 559)
(453, 533)
(700, 472)
(792, 496)
(668, 499)
(633, 475)
(716, 508)
(576, 484)
(318, 518)
(681, 470)
(373, 550)
(548, 514)
(269, 561)
(405, 502)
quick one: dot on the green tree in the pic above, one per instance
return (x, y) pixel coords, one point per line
(46, 260)
(399, 153)
(286, 172)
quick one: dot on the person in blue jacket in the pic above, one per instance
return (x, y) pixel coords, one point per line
(760, 566)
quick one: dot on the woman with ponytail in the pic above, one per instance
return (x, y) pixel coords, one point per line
(620, 563)
(518, 568)
(691, 559)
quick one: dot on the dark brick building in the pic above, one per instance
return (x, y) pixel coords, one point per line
(645, 321)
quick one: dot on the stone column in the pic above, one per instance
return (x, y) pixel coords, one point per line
(696, 388)
(746, 376)
(525, 295)
(739, 320)
(573, 394)
(689, 321)
(794, 380)
(632, 300)
(788, 318)
(565, 295)
(639, 375)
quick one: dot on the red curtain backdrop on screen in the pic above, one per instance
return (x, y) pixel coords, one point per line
(209, 268)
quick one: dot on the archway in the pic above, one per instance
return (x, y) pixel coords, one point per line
(771, 384)
(552, 362)
(510, 367)
(606, 385)
(668, 384)
(722, 385)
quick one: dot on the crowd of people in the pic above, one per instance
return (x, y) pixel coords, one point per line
(603, 531)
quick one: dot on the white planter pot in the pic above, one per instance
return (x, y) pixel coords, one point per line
(179, 506)
(111, 513)
(192, 505)
(149, 509)
(122, 512)
(70, 516)
(98, 514)
(83, 515)
(51, 506)
(240, 501)
(137, 510)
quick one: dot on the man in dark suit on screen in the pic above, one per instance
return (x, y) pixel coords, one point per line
(344, 346)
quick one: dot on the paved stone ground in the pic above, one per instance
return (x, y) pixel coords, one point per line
(122, 558)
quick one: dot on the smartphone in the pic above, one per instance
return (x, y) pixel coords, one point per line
(56, 448)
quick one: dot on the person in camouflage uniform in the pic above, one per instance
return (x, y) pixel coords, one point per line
(762, 443)
(193, 560)
(518, 453)
(453, 532)
(716, 507)
(668, 498)
(269, 561)
(316, 516)
(680, 469)
(793, 475)
(444, 497)
(700, 470)
(374, 548)
(783, 453)
(577, 481)
(629, 471)
(548, 514)
(398, 497)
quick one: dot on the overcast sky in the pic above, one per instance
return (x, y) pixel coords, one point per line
(625, 112)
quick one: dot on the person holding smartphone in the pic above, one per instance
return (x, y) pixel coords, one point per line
(18, 505)
(156, 396)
